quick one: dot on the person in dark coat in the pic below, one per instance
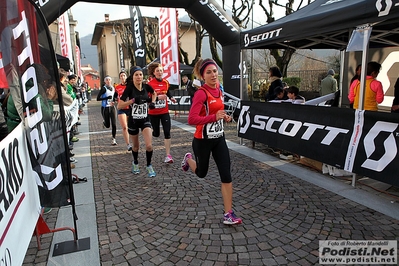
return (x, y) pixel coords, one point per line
(395, 103)
(275, 81)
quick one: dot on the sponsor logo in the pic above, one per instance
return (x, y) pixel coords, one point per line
(41, 3)
(383, 7)
(244, 71)
(261, 36)
(139, 53)
(389, 145)
(136, 30)
(180, 100)
(218, 14)
(291, 128)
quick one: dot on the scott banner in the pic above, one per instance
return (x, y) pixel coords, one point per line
(362, 142)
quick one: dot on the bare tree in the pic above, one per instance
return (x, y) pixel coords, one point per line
(241, 13)
(282, 56)
(151, 30)
(200, 33)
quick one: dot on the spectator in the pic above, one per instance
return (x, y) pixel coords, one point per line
(373, 91)
(357, 74)
(185, 82)
(395, 103)
(88, 92)
(356, 77)
(275, 81)
(329, 83)
(192, 88)
(281, 94)
(293, 95)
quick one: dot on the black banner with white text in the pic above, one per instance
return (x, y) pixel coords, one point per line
(362, 142)
(138, 36)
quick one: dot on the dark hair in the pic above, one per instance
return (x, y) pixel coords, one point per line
(134, 69)
(373, 67)
(293, 89)
(62, 73)
(124, 72)
(278, 90)
(275, 71)
(73, 76)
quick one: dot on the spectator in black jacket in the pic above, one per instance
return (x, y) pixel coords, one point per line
(275, 81)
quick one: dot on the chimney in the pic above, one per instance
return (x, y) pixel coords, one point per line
(106, 17)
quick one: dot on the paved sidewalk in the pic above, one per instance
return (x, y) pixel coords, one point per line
(175, 218)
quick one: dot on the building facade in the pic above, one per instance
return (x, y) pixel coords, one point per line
(113, 57)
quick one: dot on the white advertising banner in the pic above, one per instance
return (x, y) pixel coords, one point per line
(65, 37)
(19, 198)
(169, 48)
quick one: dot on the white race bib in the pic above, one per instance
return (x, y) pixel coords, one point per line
(215, 129)
(160, 104)
(139, 111)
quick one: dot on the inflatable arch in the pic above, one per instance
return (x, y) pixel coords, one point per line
(207, 12)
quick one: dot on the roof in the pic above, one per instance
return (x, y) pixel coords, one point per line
(328, 25)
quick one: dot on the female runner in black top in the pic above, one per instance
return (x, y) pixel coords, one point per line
(139, 97)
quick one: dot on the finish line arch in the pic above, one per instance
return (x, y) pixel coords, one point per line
(207, 12)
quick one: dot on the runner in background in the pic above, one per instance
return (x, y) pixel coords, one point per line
(108, 96)
(123, 113)
(161, 111)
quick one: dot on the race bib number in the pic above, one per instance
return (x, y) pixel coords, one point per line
(139, 111)
(109, 101)
(215, 130)
(160, 104)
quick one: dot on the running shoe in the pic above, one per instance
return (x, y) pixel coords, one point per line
(114, 142)
(184, 164)
(135, 168)
(74, 139)
(230, 218)
(151, 172)
(129, 147)
(46, 210)
(73, 160)
(168, 159)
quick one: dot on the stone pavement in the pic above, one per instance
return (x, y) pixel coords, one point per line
(175, 218)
